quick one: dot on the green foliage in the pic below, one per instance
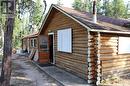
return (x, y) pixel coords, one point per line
(107, 8)
(118, 8)
(16, 34)
(114, 8)
(22, 27)
(77, 4)
(37, 12)
(111, 8)
(82, 5)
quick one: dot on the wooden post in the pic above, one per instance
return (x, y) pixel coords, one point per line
(98, 59)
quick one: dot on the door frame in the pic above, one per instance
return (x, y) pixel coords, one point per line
(52, 33)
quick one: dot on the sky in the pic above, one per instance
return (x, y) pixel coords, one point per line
(66, 3)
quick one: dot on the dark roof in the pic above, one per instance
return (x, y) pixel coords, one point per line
(104, 22)
(35, 34)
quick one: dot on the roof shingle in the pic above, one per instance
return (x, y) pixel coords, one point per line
(104, 22)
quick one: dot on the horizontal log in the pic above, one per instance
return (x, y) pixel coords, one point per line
(109, 41)
(78, 29)
(103, 58)
(73, 57)
(80, 39)
(115, 68)
(115, 64)
(80, 52)
(109, 48)
(79, 64)
(108, 52)
(79, 42)
(118, 72)
(73, 70)
(114, 46)
(110, 55)
(79, 36)
(109, 38)
(80, 45)
(110, 44)
(116, 60)
(83, 48)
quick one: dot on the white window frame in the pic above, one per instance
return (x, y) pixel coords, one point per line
(33, 43)
(64, 44)
(123, 43)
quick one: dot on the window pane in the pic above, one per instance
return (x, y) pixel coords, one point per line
(59, 42)
(35, 42)
(64, 40)
(124, 45)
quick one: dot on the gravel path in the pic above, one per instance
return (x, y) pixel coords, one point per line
(25, 73)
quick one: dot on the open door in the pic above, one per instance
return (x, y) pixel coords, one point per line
(51, 46)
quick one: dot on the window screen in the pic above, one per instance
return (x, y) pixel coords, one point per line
(124, 45)
(64, 40)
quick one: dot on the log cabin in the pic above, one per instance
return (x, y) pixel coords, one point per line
(70, 40)
(29, 42)
(30, 45)
(34, 44)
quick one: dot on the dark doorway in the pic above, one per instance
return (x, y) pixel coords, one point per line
(51, 48)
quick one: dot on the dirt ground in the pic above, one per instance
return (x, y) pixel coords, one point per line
(25, 73)
(116, 80)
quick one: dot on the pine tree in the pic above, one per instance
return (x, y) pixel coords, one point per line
(118, 8)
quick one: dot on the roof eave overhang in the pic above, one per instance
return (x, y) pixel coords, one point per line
(30, 37)
(106, 31)
(53, 6)
(84, 25)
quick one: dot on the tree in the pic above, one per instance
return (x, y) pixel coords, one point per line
(8, 36)
(28, 13)
(127, 10)
(85, 5)
(111, 8)
(36, 10)
(7, 51)
(118, 8)
(107, 8)
(77, 4)
(114, 8)
(17, 35)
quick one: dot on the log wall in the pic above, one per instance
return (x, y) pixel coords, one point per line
(76, 61)
(94, 58)
(112, 62)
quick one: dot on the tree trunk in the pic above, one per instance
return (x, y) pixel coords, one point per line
(7, 50)
(7, 53)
